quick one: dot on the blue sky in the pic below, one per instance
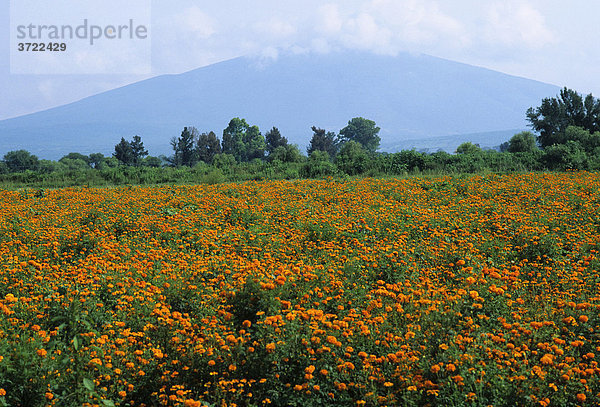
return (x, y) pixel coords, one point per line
(551, 41)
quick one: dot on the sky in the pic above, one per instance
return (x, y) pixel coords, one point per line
(550, 41)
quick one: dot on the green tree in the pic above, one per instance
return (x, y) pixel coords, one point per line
(323, 141)
(184, 149)
(554, 115)
(363, 131)
(468, 148)
(523, 142)
(352, 158)
(97, 161)
(243, 141)
(274, 139)
(77, 156)
(74, 164)
(287, 154)
(567, 156)
(20, 161)
(208, 146)
(124, 152)
(139, 152)
(224, 162)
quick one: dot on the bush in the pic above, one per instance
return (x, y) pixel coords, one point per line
(568, 156)
(318, 165)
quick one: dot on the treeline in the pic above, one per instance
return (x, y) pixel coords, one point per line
(567, 127)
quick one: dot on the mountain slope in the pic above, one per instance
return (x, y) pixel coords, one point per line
(409, 97)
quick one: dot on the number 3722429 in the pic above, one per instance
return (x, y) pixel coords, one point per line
(41, 46)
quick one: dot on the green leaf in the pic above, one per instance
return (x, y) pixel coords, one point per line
(76, 342)
(89, 384)
(108, 403)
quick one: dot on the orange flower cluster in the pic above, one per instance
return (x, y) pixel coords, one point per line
(478, 290)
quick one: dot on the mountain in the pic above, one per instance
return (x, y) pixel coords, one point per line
(411, 97)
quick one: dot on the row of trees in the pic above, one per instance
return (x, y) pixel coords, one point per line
(245, 143)
(567, 126)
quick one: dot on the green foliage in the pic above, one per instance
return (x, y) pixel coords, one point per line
(124, 152)
(352, 158)
(243, 141)
(208, 146)
(225, 162)
(323, 141)
(184, 149)
(523, 142)
(153, 162)
(362, 131)
(554, 115)
(468, 148)
(286, 154)
(568, 156)
(97, 161)
(318, 165)
(20, 161)
(138, 150)
(76, 156)
(274, 140)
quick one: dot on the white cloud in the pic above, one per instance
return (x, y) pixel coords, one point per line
(390, 26)
(419, 22)
(194, 20)
(517, 24)
(276, 28)
(363, 32)
(329, 20)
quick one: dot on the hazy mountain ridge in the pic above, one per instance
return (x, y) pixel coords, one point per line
(410, 97)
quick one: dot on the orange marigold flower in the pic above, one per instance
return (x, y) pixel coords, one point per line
(547, 359)
(583, 318)
(2, 392)
(42, 352)
(581, 397)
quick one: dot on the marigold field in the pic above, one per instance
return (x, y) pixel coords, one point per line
(462, 291)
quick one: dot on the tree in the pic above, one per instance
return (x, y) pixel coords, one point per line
(567, 156)
(323, 141)
(139, 152)
(554, 115)
(208, 146)
(243, 141)
(77, 156)
(363, 131)
(124, 152)
(287, 154)
(523, 142)
(20, 161)
(468, 148)
(183, 148)
(97, 161)
(352, 158)
(274, 139)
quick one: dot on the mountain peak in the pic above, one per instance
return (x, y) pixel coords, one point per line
(409, 96)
